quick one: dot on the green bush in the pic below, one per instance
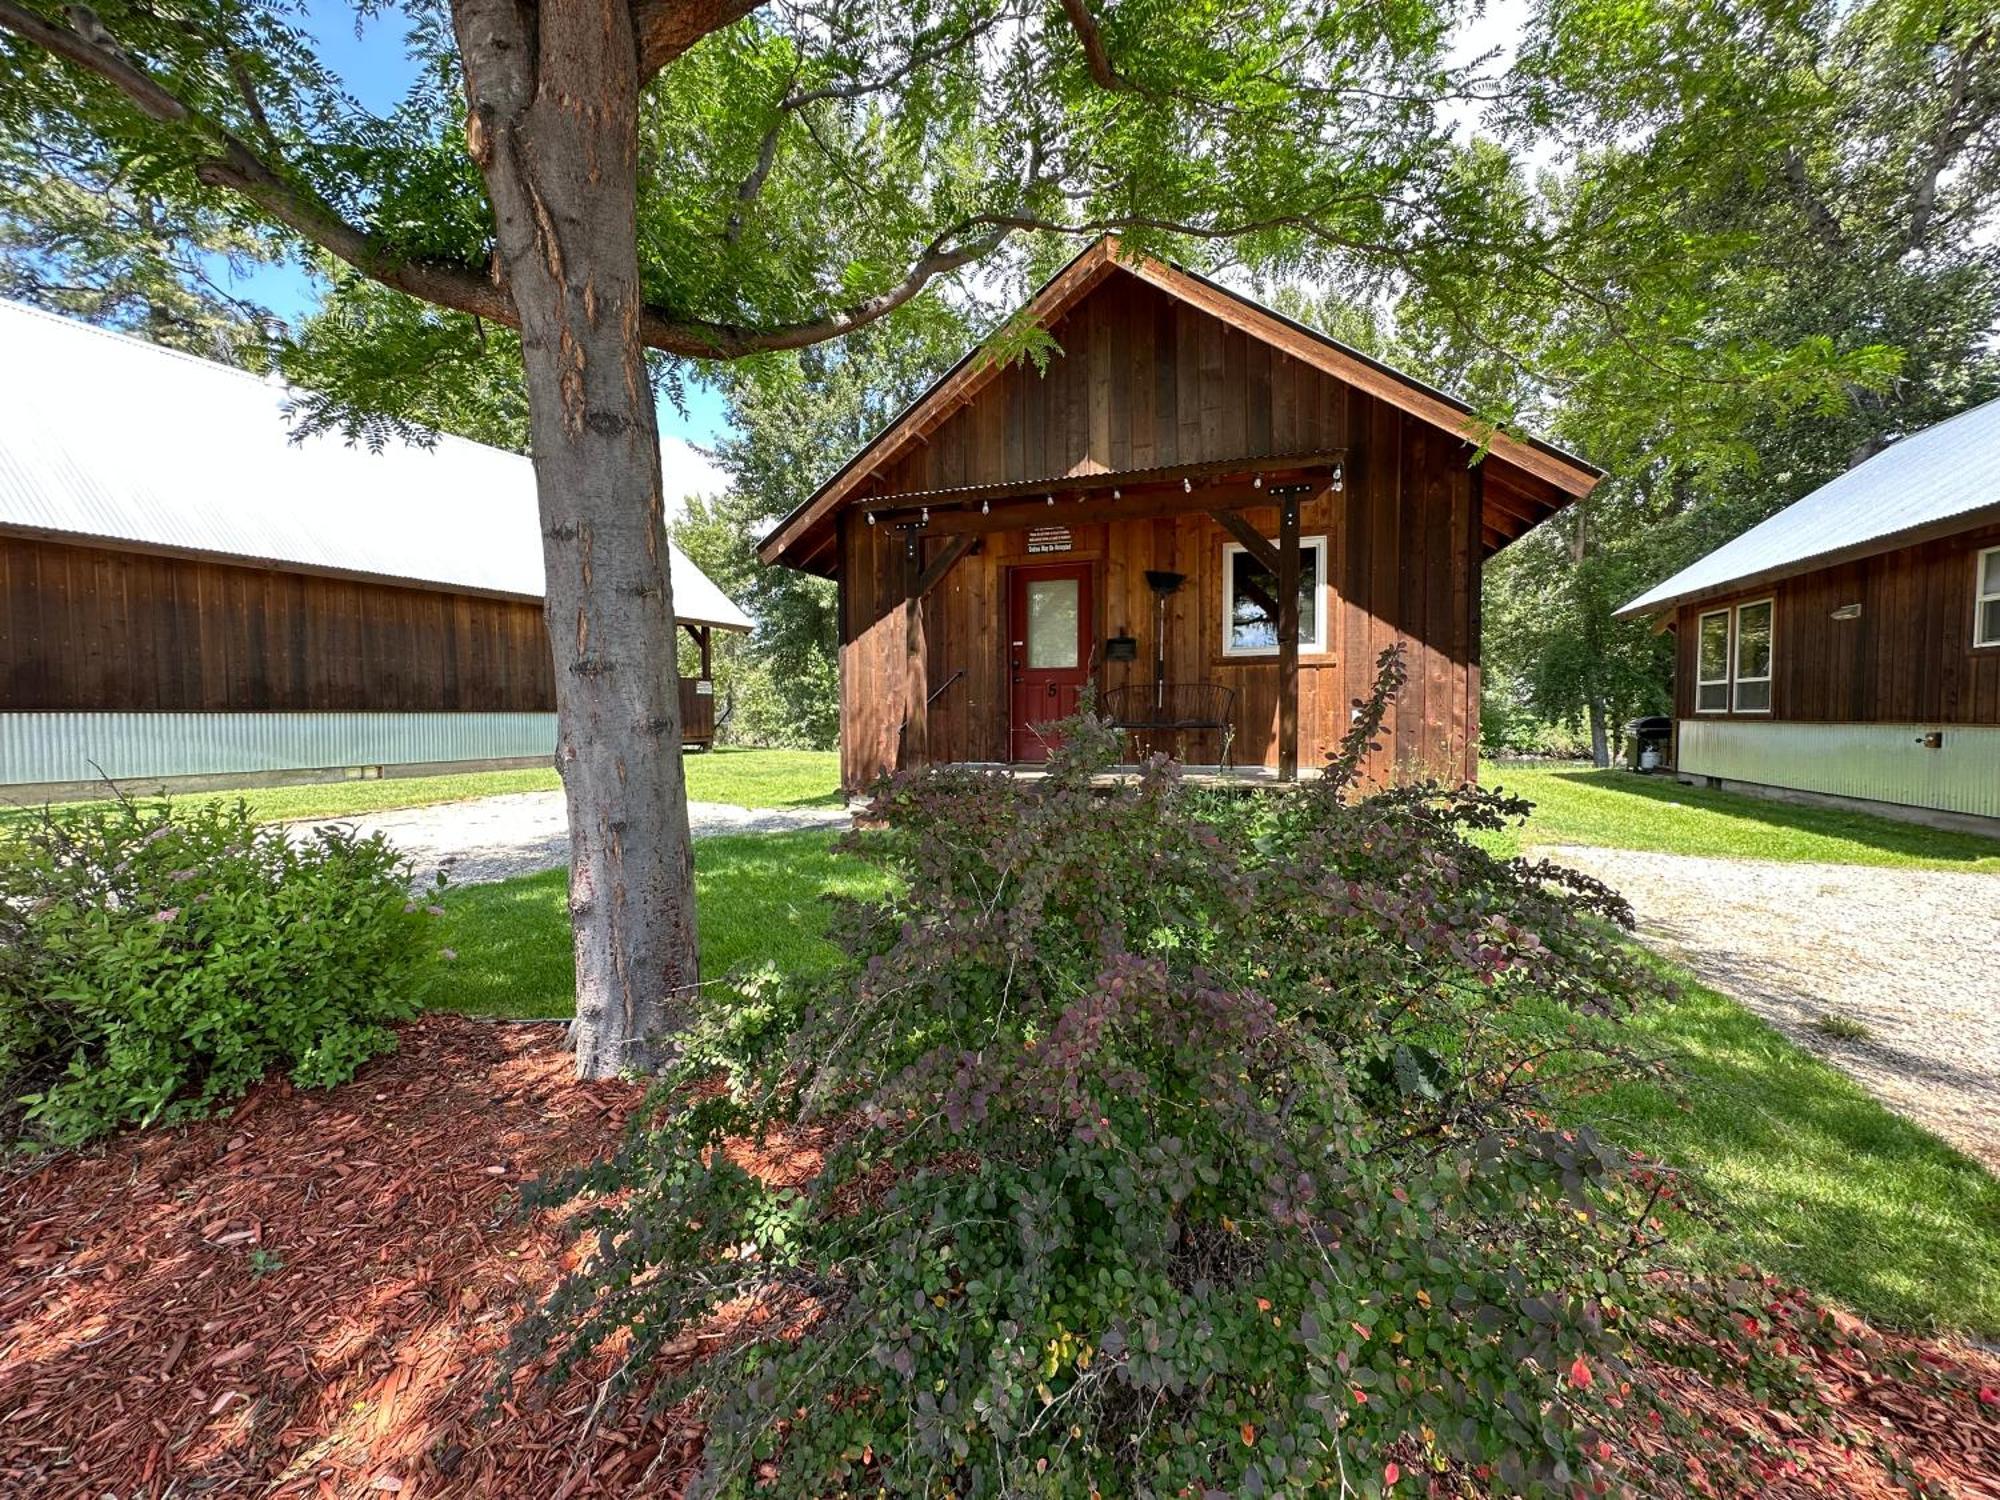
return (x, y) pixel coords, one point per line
(156, 959)
(1167, 1150)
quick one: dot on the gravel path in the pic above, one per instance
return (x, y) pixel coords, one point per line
(495, 838)
(1913, 955)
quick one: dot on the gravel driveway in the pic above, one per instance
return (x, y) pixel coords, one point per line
(1913, 955)
(494, 838)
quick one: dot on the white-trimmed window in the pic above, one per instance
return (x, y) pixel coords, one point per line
(1753, 657)
(1250, 601)
(1711, 678)
(1986, 600)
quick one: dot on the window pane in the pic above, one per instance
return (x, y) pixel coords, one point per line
(1253, 602)
(1990, 583)
(1712, 697)
(1714, 648)
(1052, 622)
(1753, 697)
(1753, 640)
(1989, 623)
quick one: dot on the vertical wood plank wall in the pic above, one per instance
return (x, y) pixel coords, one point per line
(1144, 381)
(1908, 657)
(89, 629)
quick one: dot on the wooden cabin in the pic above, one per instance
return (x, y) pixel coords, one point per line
(1215, 516)
(190, 599)
(1847, 649)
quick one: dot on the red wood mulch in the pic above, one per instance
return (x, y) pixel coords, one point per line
(305, 1298)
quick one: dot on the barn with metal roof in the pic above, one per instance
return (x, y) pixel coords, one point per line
(1849, 646)
(192, 597)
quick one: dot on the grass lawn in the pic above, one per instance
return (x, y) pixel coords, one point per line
(757, 898)
(1818, 1181)
(1620, 810)
(749, 778)
(1821, 1183)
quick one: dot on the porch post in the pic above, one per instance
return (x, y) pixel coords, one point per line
(703, 640)
(916, 682)
(1288, 638)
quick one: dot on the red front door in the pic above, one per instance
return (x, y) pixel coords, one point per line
(1048, 651)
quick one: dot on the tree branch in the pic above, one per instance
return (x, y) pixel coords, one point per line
(1952, 135)
(668, 28)
(1095, 54)
(1825, 227)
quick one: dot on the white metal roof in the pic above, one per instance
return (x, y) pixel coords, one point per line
(109, 437)
(1909, 490)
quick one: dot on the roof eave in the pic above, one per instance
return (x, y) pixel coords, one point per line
(1894, 541)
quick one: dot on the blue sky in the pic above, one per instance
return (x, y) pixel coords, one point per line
(376, 69)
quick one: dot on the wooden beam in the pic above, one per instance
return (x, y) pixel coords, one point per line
(916, 682)
(945, 561)
(1249, 537)
(706, 641)
(1021, 516)
(1510, 505)
(1288, 639)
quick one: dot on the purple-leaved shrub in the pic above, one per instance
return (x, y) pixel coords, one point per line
(1182, 1144)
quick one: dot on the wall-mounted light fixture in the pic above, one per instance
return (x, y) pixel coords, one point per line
(1848, 612)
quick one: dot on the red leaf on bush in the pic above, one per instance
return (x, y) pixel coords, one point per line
(1390, 1473)
(1579, 1374)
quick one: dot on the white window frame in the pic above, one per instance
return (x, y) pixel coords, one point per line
(1737, 679)
(1981, 598)
(1728, 659)
(1313, 554)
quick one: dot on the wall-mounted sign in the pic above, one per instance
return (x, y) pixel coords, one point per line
(703, 688)
(1049, 539)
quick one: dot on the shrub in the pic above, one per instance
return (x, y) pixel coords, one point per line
(159, 959)
(1162, 1154)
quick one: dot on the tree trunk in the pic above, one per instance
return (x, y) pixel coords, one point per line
(553, 95)
(1600, 740)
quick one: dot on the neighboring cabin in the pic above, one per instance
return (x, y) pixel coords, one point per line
(999, 544)
(1849, 647)
(190, 598)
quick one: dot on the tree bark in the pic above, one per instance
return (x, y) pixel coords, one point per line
(1600, 739)
(553, 95)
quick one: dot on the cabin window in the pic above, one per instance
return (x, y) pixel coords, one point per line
(1753, 657)
(1250, 601)
(1711, 692)
(1986, 606)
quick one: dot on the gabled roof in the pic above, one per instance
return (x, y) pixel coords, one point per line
(1943, 479)
(1551, 469)
(111, 439)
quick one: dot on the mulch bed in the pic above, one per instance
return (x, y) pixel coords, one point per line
(305, 1299)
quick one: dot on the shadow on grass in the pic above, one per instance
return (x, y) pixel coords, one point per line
(1626, 810)
(1817, 1180)
(758, 899)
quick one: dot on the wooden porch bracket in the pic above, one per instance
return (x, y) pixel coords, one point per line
(945, 561)
(1248, 537)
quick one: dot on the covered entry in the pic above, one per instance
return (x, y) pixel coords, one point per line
(994, 544)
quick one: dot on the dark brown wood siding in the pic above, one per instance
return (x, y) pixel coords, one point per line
(94, 629)
(1907, 658)
(1144, 381)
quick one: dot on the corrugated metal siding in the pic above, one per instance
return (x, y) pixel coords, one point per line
(63, 747)
(1879, 762)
